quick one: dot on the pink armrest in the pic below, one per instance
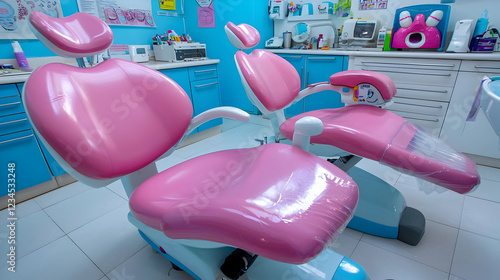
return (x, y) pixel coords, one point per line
(352, 78)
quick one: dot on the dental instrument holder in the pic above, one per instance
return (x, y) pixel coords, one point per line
(426, 11)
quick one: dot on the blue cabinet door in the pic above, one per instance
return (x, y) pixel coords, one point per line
(298, 62)
(319, 69)
(21, 148)
(206, 96)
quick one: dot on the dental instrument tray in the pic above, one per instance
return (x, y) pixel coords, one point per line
(180, 51)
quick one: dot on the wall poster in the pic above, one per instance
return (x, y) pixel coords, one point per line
(373, 4)
(206, 17)
(14, 16)
(120, 12)
(167, 4)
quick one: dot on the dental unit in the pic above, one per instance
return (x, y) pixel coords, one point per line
(267, 212)
(361, 129)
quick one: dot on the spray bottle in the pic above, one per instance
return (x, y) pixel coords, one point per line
(20, 57)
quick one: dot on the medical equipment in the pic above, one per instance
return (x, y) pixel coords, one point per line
(461, 36)
(180, 51)
(278, 9)
(139, 53)
(360, 32)
(361, 129)
(277, 201)
(491, 102)
(274, 43)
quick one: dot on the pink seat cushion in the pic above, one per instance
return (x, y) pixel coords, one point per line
(380, 135)
(77, 33)
(272, 79)
(248, 36)
(108, 120)
(275, 200)
(352, 78)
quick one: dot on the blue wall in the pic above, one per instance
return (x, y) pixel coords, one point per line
(122, 34)
(219, 47)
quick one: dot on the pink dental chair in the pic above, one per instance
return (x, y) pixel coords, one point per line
(274, 207)
(360, 130)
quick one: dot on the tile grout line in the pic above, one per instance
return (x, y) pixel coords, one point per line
(404, 256)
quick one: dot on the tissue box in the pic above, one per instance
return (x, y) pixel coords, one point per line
(483, 44)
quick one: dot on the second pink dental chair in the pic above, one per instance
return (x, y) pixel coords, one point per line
(360, 130)
(268, 212)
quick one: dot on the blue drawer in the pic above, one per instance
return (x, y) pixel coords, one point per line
(11, 105)
(202, 72)
(14, 123)
(8, 90)
(21, 148)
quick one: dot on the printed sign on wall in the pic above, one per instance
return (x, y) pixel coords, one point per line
(119, 12)
(14, 16)
(206, 17)
(373, 4)
(167, 4)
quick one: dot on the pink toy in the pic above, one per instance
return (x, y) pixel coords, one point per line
(419, 33)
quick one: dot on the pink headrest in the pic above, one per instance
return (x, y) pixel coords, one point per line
(242, 36)
(78, 35)
(352, 78)
(272, 79)
(109, 120)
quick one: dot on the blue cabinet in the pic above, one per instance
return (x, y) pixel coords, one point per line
(315, 69)
(202, 85)
(18, 143)
(21, 148)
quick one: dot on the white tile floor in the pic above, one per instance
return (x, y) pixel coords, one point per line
(78, 232)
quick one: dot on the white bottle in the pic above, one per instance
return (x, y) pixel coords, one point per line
(20, 57)
(381, 37)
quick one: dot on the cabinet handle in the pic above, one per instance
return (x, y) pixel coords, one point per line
(206, 85)
(20, 138)
(301, 75)
(307, 78)
(409, 63)
(486, 67)
(13, 121)
(9, 104)
(419, 119)
(321, 58)
(427, 74)
(203, 71)
(426, 90)
(292, 56)
(428, 106)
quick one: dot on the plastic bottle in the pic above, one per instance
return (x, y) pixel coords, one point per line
(20, 57)
(321, 41)
(381, 36)
(481, 24)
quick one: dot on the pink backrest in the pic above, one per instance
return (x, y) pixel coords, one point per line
(352, 78)
(272, 79)
(242, 36)
(109, 120)
(78, 35)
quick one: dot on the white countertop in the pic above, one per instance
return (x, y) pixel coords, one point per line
(157, 65)
(494, 56)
